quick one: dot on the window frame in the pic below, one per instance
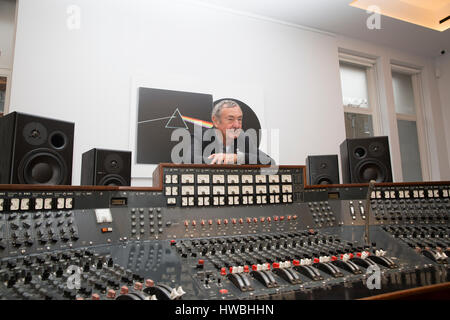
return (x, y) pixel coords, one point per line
(372, 89)
(7, 74)
(418, 117)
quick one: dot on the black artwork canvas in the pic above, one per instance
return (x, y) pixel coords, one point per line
(161, 111)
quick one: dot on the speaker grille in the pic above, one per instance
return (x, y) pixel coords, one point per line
(42, 166)
(112, 180)
(369, 170)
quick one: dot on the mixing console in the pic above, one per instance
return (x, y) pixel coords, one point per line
(223, 232)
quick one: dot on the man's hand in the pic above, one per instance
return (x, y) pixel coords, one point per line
(223, 158)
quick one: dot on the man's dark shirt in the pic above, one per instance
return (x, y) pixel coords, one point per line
(245, 147)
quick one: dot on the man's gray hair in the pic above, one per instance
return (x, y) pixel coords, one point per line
(222, 104)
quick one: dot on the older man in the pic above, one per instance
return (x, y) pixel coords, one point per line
(226, 143)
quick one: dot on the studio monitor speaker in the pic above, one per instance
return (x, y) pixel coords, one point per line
(322, 169)
(35, 150)
(101, 167)
(366, 159)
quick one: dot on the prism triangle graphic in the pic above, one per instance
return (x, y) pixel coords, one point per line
(176, 121)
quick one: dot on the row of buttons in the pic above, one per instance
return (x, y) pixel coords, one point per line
(231, 178)
(24, 204)
(405, 194)
(240, 221)
(231, 190)
(231, 200)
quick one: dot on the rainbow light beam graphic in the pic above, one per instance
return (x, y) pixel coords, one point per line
(199, 122)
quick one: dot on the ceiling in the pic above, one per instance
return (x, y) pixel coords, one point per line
(336, 16)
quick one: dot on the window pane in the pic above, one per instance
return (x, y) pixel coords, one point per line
(2, 93)
(409, 150)
(358, 125)
(354, 86)
(403, 93)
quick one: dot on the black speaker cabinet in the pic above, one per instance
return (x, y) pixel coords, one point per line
(322, 169)
(35, 150)
(106, 168)
(366, 159)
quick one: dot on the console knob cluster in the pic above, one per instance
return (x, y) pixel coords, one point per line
(77, 274)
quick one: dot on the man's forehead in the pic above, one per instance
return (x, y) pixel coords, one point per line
(233, 111)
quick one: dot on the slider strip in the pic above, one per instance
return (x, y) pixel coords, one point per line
(246, 281)
(237, 281)
(270, 276)
(294, 274)
(289, 276)
(263, 277)
(313, 270)
(352, 265)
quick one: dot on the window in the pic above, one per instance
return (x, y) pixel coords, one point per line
(405, 83)
(358, 92)
(5, 89)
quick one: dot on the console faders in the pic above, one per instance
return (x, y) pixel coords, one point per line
(275, 260)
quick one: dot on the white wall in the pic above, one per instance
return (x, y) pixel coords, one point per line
(7, 25)
(84, 75)
(443, 69)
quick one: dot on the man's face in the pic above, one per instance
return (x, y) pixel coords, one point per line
(230, 122)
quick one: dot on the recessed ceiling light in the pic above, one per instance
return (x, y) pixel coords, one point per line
(433, 14)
